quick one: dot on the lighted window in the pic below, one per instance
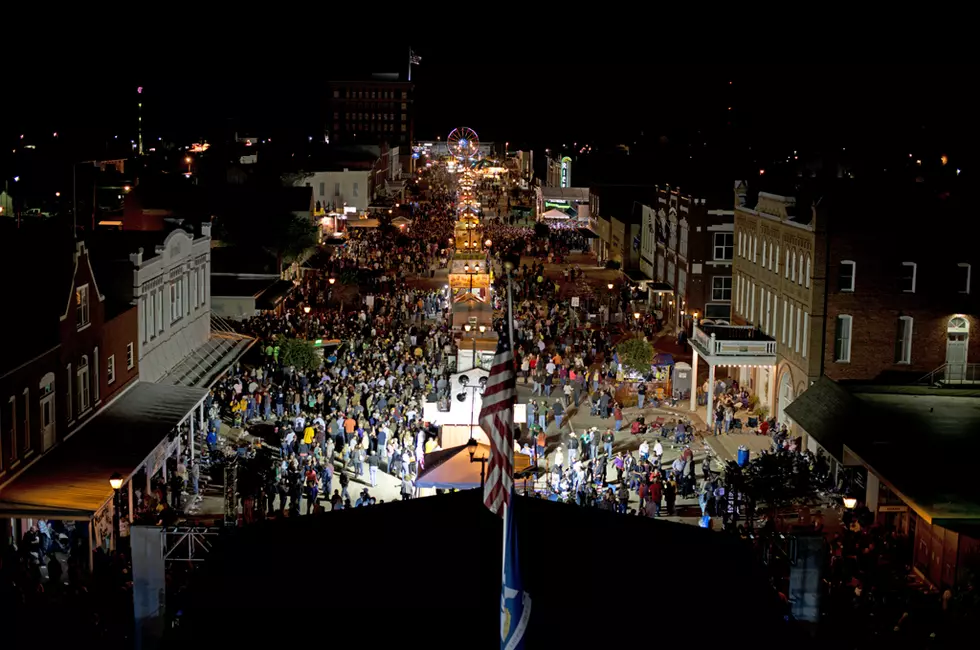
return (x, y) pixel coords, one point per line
(130, 359)
(842, 340)
(110, 369)
(846, 276)
(907, 279)
(903, 340)
(81, 306)
(964, 271)
(82, 377)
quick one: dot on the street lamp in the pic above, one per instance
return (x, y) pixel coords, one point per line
(472, 446)
(306, 309)
(332, 280)
(116, 482)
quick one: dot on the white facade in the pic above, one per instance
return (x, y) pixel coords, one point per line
(336, 189)
(172, 289)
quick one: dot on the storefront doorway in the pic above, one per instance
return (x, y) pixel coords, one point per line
(957, 342)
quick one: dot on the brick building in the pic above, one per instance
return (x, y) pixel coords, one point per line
(370, 111)
(854, 285)
(70, 356)
(686, 248)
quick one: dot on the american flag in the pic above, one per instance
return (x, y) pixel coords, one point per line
(497, 420)
(414, 58)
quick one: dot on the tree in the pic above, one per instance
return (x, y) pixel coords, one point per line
(288, 236)
(299, 353)
(779, 480)
(636, 354)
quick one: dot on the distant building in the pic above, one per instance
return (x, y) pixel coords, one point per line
(371, 111)
(686, 249)
(559, 172)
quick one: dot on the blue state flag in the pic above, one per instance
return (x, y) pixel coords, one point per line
(515, 604)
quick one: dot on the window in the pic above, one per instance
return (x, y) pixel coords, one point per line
(752, 302)
(25, 430)
(799, 316)
(755, 250)
(964, 270)
(786, 270)
(764, 253)
(842, 341)
(908, 277)
(95, 374)
(684, 233)
(768, 312)
(792, 267)
(724, 245)
(81, 376)
(356, 190)
(129, 356)
(173, 301)
(110, 369)
(789, 334)
(721, 288)
(145, 318)
(903, 340)
(806, 278)
(782, 335)
(846, 276)
(336, 189)
(799, 277)
(775, 266)
(806, 333)
(81, 306)
(10, 429)
(741, 244)
(771, 255)
(159, 311)
(323, 189)
(194, 284)
(68, 404)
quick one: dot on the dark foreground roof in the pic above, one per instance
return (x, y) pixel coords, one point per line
(426, 574)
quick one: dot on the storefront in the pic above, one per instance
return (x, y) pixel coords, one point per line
(137, 439)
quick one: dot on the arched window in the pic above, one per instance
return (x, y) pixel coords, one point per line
(806, 278)
(763, 251)
(792, 266)
(799, 278)
(786, 270)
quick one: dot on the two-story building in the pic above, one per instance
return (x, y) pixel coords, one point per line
(168, 276)
(847, 294)
(686, 248)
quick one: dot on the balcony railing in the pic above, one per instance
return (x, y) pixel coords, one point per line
(734, 341)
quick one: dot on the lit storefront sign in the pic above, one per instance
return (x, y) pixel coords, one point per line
(566, 172)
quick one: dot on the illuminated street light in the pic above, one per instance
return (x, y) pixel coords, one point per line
(306, 309)
(332, 280)
(116, 481)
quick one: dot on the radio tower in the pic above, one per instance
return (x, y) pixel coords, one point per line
(139, 91)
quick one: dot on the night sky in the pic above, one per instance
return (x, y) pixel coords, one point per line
(774, 109)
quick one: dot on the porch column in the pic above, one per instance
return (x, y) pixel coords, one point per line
(871, 493)
(190, 438)
(709, 398)
(149, 480)
(129, 496)
(694, 379)
(773, 390)
(91, 547)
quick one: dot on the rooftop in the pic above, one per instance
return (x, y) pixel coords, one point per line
(72, 481)
(885, 426)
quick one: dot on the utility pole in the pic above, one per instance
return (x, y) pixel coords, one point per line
(139, 91)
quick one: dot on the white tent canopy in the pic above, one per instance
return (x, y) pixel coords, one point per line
(555, 214)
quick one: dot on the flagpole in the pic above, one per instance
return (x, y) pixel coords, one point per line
(409, 64)
(510, 450)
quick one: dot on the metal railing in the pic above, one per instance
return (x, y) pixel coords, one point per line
(953, 375)
(733, 347)
(189, 544)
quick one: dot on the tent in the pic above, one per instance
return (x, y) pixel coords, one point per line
(663, 359)
(401, 221)
(554, 214)
(452, 468)
(363, 223)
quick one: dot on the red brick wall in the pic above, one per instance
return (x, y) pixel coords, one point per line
(117, 335)
(877, 303)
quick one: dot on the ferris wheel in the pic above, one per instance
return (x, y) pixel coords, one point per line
(463, 142)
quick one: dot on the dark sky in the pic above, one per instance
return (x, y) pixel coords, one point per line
(536, 102)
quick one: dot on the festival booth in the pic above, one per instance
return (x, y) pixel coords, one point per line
(456, 469)
(457, 415)
(401, 222)
(363, 223)
(658, 381)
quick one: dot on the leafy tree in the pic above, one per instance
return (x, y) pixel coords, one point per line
(636, 354)
(288, 236)
(779, 480)
(299, 353)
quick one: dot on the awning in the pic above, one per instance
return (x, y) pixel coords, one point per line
(587, 233)
(72, 481)
(660, 287)
(274, 294)
(636, 275)
(451, 468)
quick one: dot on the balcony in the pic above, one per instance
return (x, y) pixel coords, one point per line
(734, 345)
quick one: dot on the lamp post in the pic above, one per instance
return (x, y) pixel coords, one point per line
(116, 482)
(610, 286)
(636, 319)
(472, 447)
